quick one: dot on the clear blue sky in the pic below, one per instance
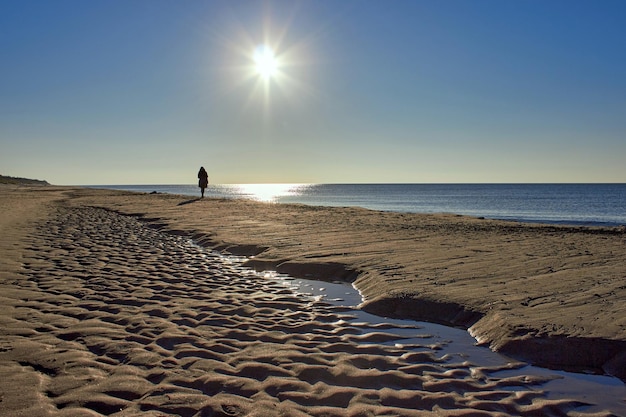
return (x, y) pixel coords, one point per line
(147, 91)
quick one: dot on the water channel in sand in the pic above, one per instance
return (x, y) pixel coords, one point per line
(456, 345)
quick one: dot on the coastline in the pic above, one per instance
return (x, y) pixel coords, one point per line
(484, 275)
(569, 204)
(550, 295)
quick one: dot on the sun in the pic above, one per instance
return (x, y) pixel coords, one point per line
(265, 62)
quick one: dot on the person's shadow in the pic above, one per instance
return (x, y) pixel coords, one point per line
(193, 200)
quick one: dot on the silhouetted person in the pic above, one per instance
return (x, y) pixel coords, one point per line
(203, 180)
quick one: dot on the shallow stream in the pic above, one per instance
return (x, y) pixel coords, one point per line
(608, 393)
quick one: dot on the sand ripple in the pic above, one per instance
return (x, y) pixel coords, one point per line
(111, 317)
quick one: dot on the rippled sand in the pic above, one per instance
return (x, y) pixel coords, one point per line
(104, 315)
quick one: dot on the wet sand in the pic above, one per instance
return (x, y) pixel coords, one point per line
(107, 308)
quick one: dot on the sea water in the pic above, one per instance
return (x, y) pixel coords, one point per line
(573, 204)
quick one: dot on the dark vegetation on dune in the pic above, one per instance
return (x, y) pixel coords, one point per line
(21, 181)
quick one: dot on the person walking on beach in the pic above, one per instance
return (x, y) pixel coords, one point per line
(203, 180)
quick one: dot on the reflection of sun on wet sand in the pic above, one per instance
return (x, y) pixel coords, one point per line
(104, 314)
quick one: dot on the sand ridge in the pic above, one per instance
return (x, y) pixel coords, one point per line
(107, 316)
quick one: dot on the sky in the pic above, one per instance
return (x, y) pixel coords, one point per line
(402, 91)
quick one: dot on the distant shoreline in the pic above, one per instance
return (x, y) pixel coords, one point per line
(4, 179)
(589, 205)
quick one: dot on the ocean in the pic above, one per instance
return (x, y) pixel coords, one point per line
(571, 204)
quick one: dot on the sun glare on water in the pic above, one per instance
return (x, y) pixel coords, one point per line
(265, 61)
(267, 192)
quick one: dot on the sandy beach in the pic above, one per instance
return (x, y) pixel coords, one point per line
(109, 308)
